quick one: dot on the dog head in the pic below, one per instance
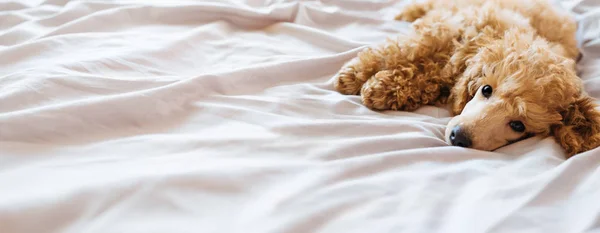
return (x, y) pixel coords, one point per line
(518, 87)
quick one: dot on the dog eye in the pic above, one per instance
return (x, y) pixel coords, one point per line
(517, 126)
(486, 91)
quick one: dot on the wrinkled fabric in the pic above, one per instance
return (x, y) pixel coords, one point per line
(220, 116)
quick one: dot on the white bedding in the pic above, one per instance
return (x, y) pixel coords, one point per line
(220, 116)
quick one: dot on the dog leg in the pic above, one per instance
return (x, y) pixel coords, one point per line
(350, 79)
(414, 70)
(400, 89)
(357, 71)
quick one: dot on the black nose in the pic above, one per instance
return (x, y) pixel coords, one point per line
(458, 137)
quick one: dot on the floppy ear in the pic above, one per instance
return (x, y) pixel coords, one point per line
(463, 92)
(469, 81)
(466, 86)
(579, 131)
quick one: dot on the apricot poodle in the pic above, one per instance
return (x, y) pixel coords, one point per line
(506, 67)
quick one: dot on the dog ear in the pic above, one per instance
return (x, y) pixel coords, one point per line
(462, 93)
(579, 129)
(470, 80)
(466, 86)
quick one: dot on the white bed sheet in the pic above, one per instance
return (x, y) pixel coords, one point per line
(220, 116)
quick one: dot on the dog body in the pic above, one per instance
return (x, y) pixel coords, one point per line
(507, 67)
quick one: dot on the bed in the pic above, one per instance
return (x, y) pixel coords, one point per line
(220, 116)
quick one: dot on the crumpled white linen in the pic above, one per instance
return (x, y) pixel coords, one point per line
(220, 116)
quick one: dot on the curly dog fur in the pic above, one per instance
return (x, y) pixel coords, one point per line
(524, 50)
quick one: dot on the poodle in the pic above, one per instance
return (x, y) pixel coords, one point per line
(505, 67)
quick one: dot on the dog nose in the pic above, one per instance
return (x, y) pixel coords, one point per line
(458, 137)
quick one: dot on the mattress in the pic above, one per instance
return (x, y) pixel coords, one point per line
(220, 116)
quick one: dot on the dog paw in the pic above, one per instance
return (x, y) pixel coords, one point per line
(387, 90)
(381, 92)
(346, 80)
